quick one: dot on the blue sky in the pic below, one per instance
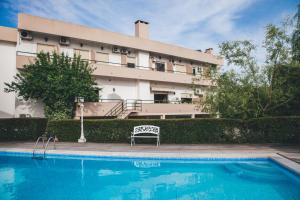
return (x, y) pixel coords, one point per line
(196, 24)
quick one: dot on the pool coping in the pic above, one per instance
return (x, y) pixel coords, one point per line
(282, 161)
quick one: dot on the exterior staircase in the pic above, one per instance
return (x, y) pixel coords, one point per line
(124, 114)
(124, 108)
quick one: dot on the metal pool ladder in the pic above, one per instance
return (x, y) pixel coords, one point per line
(43, 139)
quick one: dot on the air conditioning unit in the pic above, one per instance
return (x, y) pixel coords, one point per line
(115, 50)
(124, 51)
(130, 65)
(155, 59)
(24, 115)
(26, 35)
(64, 41)
(199, 91)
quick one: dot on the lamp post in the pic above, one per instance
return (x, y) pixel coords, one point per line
(80, 100)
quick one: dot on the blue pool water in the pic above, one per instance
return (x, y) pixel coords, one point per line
(59, 177)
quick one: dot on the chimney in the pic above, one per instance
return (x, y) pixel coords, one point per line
(142, 29)
(209, 50)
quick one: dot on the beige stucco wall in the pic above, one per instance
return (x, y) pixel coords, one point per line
(169, 109)
(8, 71)
(106, 70)
(8, 34)
(124, 72)
(101, 108)
(54, 27)
(92, 109)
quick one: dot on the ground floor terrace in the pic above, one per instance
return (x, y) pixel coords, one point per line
(141, 109)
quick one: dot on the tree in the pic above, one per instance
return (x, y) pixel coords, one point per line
(296, 38)
(55, 80)
(258, 89)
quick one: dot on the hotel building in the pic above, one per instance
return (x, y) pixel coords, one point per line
(138, 77)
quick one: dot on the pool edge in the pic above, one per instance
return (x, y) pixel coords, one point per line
(283, 162)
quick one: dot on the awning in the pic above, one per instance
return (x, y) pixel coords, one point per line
(162, 90)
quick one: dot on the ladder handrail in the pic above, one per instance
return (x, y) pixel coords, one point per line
(43, 138)
(45, 149)
(36, 143)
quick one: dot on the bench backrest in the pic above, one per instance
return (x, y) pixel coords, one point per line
(146, 129)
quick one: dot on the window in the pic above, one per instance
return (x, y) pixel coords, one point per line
(160, 98)
(85, 54)
(181, 69)
(101, 57)
(130, 59)
(46, 48)
(194, 71)
(160, 67)
(197, 71)
(186, 100)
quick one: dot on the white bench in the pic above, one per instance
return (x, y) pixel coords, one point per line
(145, 131)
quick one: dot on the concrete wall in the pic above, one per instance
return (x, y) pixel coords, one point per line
(169, 109)
(123, 88)
(95, 109)
(143, 88)
(54, 27)
(101, 108)
(8, 70)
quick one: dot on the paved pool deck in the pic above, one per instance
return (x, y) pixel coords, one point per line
(288, 155)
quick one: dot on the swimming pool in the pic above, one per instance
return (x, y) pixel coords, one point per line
(76, 177)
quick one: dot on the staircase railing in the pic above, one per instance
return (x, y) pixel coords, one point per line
(123, 106)
(116, 110)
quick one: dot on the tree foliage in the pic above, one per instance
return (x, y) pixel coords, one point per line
(257, 90)
(55, 80)
(296, 38)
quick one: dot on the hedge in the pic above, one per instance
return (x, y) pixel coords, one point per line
(273, 130)
(14, 129)
(173, 131)
(186, 131)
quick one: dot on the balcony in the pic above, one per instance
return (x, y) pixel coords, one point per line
(105, 69)
(147, 74)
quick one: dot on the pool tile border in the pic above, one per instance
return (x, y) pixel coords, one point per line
(281, 161)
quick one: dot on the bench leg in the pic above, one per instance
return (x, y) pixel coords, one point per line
(132, 141)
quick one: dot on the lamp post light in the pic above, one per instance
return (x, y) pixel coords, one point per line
(80, 101)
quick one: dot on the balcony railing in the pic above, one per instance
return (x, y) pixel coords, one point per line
(24, 53)
(146, 101)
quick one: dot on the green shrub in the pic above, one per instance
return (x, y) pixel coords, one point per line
(185, 131)
(273, 130)
(14, 129)
(173, 131)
